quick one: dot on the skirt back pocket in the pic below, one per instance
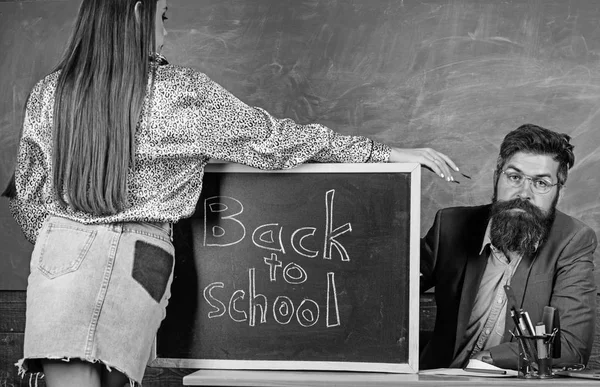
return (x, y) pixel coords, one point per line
(64, 248)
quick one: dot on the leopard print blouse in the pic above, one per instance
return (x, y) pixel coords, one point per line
(186, 120)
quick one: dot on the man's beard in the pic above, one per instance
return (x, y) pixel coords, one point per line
(520, 232)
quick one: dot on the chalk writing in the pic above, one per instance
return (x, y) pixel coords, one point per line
(228, 209)
(253, 307)
(263, 237)
(307, 313)
(219, 236)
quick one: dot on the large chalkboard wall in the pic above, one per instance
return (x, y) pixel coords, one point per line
(456, 75)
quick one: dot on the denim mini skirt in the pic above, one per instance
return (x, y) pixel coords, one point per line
(97, 293)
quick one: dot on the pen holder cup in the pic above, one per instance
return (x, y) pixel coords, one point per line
(535, 356)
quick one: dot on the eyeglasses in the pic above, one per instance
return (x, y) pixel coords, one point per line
(539, 185)
(573, 367)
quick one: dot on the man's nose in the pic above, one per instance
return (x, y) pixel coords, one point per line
(525, 189)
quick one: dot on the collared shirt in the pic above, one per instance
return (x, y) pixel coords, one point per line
(488, 316)
(186, 120)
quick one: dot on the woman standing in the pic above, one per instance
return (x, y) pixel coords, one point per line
(112, 153)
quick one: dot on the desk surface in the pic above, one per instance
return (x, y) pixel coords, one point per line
(359, 379)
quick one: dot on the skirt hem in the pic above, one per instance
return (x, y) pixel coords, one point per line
(25, 367)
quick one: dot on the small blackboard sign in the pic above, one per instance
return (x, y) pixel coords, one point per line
(314, 268)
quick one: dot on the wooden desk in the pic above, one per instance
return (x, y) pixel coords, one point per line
(359, 379)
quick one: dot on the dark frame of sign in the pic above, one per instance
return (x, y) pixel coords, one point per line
(311, 268)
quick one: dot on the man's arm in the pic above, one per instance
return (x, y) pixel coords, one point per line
(429, 250)
(574, 295)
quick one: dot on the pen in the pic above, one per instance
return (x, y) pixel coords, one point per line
(528, 323)
(520, 337)
(466, 176)
(517, 314)
(522, 320)
(513, 315)
(519, 318)
(527, 329)
(485, 371)
(523, 326)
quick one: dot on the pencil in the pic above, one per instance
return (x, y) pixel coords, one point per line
(485, 371)
(467, 176)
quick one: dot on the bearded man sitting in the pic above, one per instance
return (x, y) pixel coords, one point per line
(520, 240)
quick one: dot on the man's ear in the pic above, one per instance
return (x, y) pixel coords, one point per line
(138, 11)
(560, 193)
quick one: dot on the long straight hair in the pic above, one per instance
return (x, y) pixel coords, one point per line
(98, 102)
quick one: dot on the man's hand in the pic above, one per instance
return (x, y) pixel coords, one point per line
(484, 356)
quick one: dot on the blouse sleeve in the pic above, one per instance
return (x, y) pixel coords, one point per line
(27, 207)
(230, 130)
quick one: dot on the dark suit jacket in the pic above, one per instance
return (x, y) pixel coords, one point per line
(560, 275)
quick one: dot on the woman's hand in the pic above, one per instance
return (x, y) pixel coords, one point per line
(429, 158)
